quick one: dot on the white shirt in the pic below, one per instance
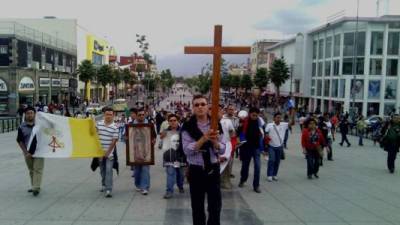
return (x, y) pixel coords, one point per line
(227, 127)
(276, 137)
(329, 126)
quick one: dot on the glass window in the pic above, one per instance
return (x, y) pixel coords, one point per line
(374, 89)
(393, 43)
(314, 49)
(347, 66)
(395, 25)
(321, 49)
(319, 87)
(328, 47)
(373, 108)
(375, 67)
(314, 69)
(297, 86)
(376, 43)
(391, 67)
(335, 88)
(360, 66)
(3, 49)
(320, 67)
(327, 68)
(357, 88)
(326, 87)
(312, 87)
(348, 44)
(389, 109)
(361, 44)
(336, 47)
(390, 89)
(336, 66)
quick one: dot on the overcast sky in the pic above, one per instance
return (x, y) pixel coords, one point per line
(172, 24)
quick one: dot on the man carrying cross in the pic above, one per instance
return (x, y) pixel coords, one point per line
(202, 142)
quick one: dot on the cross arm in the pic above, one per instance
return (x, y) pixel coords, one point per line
(199, 50)
(236, 50)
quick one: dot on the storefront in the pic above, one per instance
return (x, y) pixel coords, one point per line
(3, 97)
(26, 90)
(55, 90)
(44, 85)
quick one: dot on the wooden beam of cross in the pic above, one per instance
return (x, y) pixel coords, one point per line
(216, 51)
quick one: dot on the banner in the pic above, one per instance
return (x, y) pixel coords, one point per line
(65, 137)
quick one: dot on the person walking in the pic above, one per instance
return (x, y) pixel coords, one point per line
(108, 135)
(35, 165)
(391, 141)
(275, 132)
(329, 137)
(344, 130)
(312, 141)
(361, 127)
(202, 147)
(251, 133)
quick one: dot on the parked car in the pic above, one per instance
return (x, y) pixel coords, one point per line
(120, 105)
(372, 119)
(94, 108)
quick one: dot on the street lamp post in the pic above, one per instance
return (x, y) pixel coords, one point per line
(353, 88)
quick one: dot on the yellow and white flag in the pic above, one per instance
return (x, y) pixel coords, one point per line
(65, 137)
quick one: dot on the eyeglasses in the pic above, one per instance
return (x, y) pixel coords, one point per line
(172, 120)
(200, 104)
(140, 114)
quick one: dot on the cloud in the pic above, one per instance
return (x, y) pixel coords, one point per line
(312, 2)
(287, 22)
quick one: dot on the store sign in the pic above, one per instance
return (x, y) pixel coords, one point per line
(3, 85)
(26, 84)
(44, 82)
(56, 82)
(64, 83)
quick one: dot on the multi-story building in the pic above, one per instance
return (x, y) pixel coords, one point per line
(38, 58)
(259, 54)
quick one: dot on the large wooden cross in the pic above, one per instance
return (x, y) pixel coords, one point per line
(216, 51)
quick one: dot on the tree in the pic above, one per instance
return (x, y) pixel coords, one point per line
(246, 83)
(116, 80)
(235, 83)
(204, 83)
(226, 81)
(278, 74)
(148, 82)
(261, 78)
(127, 78)
(86, 73)
(104, 77)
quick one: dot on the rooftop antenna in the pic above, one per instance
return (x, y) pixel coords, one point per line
(335, 16)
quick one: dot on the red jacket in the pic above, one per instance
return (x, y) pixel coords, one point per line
(306, 139)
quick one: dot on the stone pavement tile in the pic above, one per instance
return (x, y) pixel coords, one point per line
(12, 222)
(46, 222)
(95, 222)
(146, 208)
(66, 209)
(26, 208)
(308, 211)
(282, 223)
(326, 223)
(374, 223)
(381, 208)
(146, 223)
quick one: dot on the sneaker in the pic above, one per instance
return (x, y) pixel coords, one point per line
(108, 194)
(138, 190)
(35, 193)
(275, 178)
(145, 192)
(181, 190)
(241, 184)
(103, 188)
(316, 176)
(257, 190)
(269, 179)
(168, 195)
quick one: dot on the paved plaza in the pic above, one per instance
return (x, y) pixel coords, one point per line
(354, 189)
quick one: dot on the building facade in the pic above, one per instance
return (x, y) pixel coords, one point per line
(36, 66)
(259, 54)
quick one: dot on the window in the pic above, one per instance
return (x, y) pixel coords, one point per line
(3, 49)
(391, 67)
(335, 88)
(297, 86)
(347, 66)
(327, 68)
(314, 49)
(395, 25)
(312, 87)
(393, 43)
(314, 69)
(375, 67)
(342, 88)
(390, 89)
(348, 44)
(376, 43)
(320, 65)
(361, 44)
(321, 49)
(328, 47)
(336, 67)
(389, 109)
(374, 89)
(360, 66)
(319, 87)
(326, 87)
(336, 47)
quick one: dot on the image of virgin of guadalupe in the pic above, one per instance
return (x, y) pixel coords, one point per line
(140, 141)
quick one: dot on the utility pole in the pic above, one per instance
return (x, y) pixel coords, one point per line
(353, 86)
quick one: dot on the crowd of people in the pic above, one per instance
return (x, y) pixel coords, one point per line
(192, 151)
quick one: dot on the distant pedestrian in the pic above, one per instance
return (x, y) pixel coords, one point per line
(361, 128)
(312, 141)
(344, 130)
(391, 141)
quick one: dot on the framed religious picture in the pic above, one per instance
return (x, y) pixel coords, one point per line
(139, 146)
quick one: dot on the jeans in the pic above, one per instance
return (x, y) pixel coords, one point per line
(285, 139)
(35, 167)
(174, 175)
(344, 139)
(202, 183)
(360, 136)
(274, 160)
(329, 146)
(244, 173)
(142, 177)
(106, 172)
(121, 133)
(313, 160)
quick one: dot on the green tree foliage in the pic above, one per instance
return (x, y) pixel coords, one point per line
(86, 73)
(204, 83)
(167, 80)
(148, 82)
(104, 77)
(128, 78)
(226, 81)
(116, 80)
(261, 78)
(279, 74)
(246, 83)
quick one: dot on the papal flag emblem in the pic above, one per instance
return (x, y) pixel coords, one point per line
(64, 137)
